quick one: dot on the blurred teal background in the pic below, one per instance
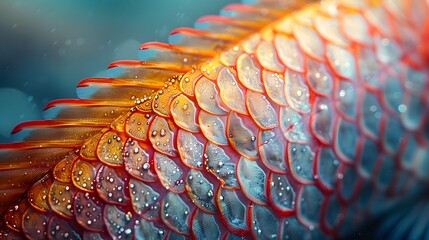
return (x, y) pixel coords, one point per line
(47, 47)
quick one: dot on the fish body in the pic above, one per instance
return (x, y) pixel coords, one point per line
(278, 120)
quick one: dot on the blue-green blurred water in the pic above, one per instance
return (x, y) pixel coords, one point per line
(47, 47)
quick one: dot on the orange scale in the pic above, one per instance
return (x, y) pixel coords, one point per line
(184, 112)
(109, 149)
(207, 96)
(83, 174)
(62, 171)
(137, 125)
(61, 199)
(38, 194)
(88, 150)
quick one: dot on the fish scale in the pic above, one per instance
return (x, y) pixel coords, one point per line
(304, 129)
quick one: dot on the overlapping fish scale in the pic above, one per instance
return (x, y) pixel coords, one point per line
(184, 113)
(213, 127)
(207, 96)
(274, 86)
(293, 125)
(261, 225)
(385, 172)
(392, 139)
(332, 216)
(230, 56)
(249, 73)
(13, 218)
(297, 92)
(147, 230)
(267, 56)
(88, 211)
(110, 185)
(119, 224)
(38, 194)
(161, 135)
(143, 197)
(387, 50)
(394, 93)
(411, 114)
(409, 152)
(369, 67)
(377, 18)
(109, 149)
(272, 150)
(300, 159)
(249, 46)
(175, 213)
(327, 165)
(322, 120)
(60, 198)
(414, 80)
(356, 29)
(60, 228)
(84, 174)
(233, 211)
(242, 133)
(62, 171)
(319, 77)
(188, 80)
(153, 213)
(191, 150)
(342, 61)
(293, 229)
(371, 115)
(329, 29)
(170, 174)
(345, 100)
(221, 163)
(34, 224)
(204, 226)
(289, 52)
(345, 142)
(281, 194)
(231, 93)
(309, 205)
(349, 186)
(368, 159)
(211, 68)
(261, 110)
(88, 150)
(306, 16)
(200, 191)
(253, 180)
(138, 125)
(138, 161)
(310, 41)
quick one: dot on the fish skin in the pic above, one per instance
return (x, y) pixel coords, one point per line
(220, 152)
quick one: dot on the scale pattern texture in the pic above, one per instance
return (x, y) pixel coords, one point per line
(303, 130)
